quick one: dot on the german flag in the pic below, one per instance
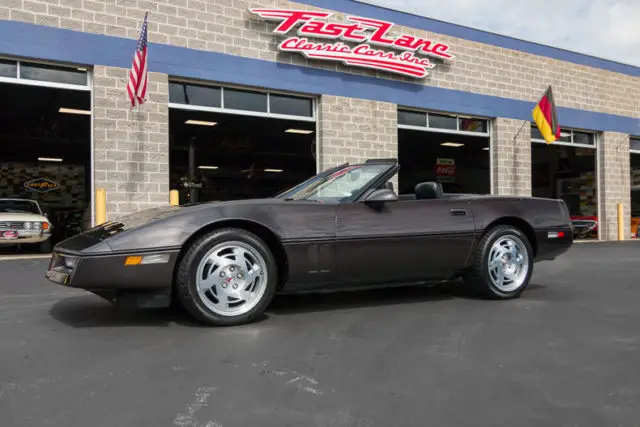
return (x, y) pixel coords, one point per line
(546, 117)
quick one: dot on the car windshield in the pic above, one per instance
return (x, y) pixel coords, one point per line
(339, 184)
(18, 206)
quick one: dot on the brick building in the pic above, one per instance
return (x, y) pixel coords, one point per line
(218, 57)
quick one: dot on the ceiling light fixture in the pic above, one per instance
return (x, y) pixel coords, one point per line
(49, 159)
(73, 111)
(273, 170)
(451, 144)
(300, 131)
(200, 122)
(486, 148)
(207, 167)
(564, 134)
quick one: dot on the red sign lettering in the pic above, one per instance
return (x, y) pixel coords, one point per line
(368, 33)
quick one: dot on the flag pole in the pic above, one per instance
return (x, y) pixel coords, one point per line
(520, 130)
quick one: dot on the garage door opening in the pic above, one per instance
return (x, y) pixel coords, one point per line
(634, 145)
(566, 169)
(449, 149)
(45, 134)
(239, 145)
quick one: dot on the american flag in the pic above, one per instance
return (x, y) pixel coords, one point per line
(138, 76)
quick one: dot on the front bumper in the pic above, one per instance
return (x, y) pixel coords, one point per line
(14, 237)
(109, 272)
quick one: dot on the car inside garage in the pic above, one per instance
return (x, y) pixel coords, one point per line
(566, 169)
(45, 113)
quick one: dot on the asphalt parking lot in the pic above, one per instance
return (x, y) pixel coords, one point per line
(565, 354)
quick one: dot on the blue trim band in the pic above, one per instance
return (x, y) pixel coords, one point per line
(35, 41)
(439, 27)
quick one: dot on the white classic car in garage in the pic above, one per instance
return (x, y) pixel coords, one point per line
(22, 222)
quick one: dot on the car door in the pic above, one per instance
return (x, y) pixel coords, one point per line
(402, 240)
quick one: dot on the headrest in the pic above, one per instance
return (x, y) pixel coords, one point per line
(428, 190)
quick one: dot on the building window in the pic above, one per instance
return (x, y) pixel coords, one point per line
(567, 136)
(440, 122)
(244, 100)
(239, 101)
(50, 73)
(634, 144)
(8, 68)
(205, 96)
(44, 75)
(290, 105)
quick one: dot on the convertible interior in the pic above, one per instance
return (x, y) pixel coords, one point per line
(424, 191)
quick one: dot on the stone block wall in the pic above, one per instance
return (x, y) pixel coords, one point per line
(354, 130)
(131, 146)
(614, 184)
(511, 153)
(227, 26)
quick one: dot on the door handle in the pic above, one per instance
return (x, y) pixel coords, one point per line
(458, 212)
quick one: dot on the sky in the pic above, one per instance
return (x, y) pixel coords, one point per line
(602, 28)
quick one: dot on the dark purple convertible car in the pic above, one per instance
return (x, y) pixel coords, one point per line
(344, 228)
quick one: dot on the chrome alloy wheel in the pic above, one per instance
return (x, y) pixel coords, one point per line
(231, 278)
(508, 263)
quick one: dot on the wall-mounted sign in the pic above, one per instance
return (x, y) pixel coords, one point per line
(41, 185)
(446, 170)
(408, 58)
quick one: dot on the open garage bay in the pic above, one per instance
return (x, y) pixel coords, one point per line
(566, 353)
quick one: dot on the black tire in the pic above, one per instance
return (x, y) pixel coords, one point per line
(478, 279)
(186, 287)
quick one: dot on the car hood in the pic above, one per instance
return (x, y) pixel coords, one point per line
(146, 216)
(10, 216)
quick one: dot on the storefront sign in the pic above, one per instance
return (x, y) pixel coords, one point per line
(446, 170)
(369, 34)
(41, 185)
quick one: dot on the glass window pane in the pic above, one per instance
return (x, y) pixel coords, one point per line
(535, 132)
(442, 122)
(8, 68)
(412, 118)
(205, 96)
(243, 100)
(473, 125)
(583, 138)
(291, 105)
(51, 73)
(634, 144)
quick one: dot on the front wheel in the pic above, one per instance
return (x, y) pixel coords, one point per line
(503, 264)
(227, 277)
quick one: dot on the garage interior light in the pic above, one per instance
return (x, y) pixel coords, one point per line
(300, 131)
(452, 144)
(207, 167)
(273, 170)
(49, 159)
(200, 122)
(564, 134)
(73, 111)
(486, 148)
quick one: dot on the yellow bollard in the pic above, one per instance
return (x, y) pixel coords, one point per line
(620, 222)
(174, 198)
(101, 206)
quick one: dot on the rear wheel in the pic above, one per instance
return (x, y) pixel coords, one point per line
(227, 277)
(503, 264)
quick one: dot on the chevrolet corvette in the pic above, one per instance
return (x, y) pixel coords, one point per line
(345, 228)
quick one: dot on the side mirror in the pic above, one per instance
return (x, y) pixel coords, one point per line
(382, 195)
